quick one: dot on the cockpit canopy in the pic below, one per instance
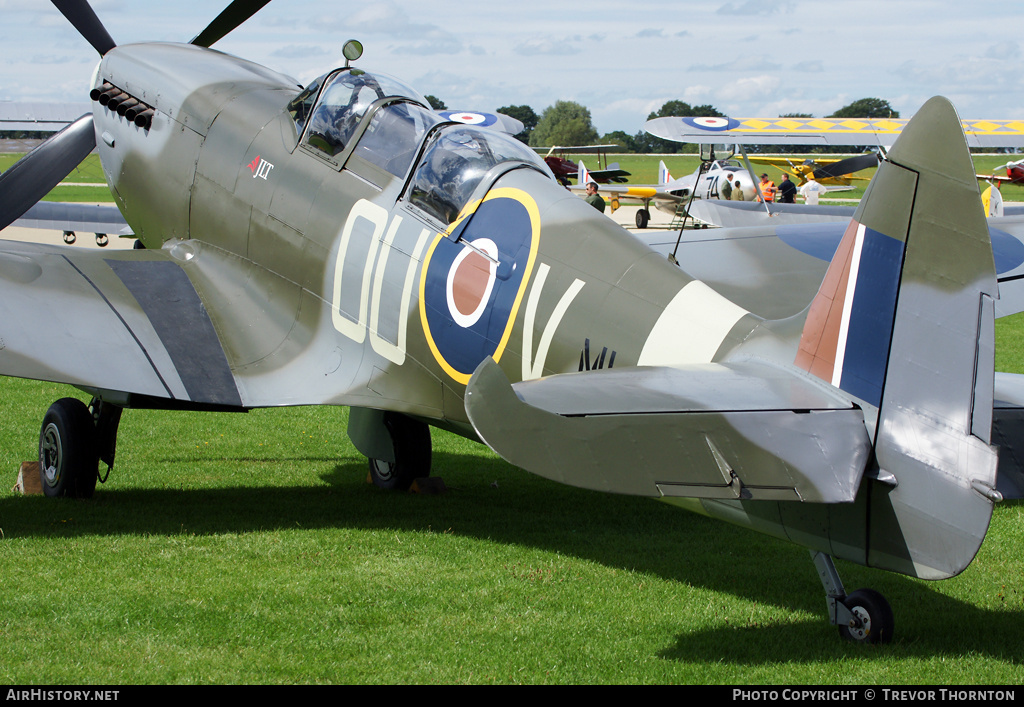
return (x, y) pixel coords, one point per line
(455, 157)
(345, 96)
(455, 160)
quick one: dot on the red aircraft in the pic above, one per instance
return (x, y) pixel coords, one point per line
(565, 169)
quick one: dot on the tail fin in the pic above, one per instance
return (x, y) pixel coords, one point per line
(904, 321)
(663, 174)
(583, 175)
(992, 200)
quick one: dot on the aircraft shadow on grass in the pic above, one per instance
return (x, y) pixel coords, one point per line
(489, 499)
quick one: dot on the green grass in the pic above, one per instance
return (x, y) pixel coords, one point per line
(78, 187)
(230, 548)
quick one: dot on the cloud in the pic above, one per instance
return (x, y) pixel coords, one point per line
(442, 46)
(1008, 50)
(749, 88)
(388, 19)
(545, 46)
(299, 51)
(812, 66)
(739, 64)
(745, 9)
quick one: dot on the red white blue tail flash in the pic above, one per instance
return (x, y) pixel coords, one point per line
(584, 175)
(848, 331)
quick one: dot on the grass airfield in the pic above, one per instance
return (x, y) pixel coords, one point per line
(248, 548)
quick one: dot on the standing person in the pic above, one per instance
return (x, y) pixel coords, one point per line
(737, 191)
(787, 191)
(767, 189)
(726, 190)
(811, 191)
(593, 198)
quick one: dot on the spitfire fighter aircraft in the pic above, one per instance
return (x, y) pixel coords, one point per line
(341, 244)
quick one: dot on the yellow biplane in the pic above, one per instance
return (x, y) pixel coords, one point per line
(834, 171)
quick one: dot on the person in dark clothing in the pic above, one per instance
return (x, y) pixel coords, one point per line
(787, 190)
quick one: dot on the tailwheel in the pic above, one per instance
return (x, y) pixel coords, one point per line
(872, 620)
(411, 442)
(68, 459)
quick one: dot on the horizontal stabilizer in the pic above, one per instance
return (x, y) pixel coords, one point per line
(740, 430)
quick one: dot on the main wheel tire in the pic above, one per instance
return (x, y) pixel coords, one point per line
(875, 615)
(67, 450)
(643, 216)
(411, 441)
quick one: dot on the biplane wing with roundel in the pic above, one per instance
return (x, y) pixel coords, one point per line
(878, 132)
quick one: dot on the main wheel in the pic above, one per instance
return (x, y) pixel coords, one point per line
(411, 441)
(67, 450)
(874, 614)
(643, 216)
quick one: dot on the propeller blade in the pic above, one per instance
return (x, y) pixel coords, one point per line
(233, 15)
(847, 166)
(81, 15)
(34, 175)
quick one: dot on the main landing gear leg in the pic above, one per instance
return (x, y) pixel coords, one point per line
(397, 446)
(72, 441)
(864, 616)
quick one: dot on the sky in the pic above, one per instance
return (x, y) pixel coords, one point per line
(620, 60)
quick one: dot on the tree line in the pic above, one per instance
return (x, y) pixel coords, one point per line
(569, 123)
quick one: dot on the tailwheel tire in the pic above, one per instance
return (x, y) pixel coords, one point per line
(873, 614)
(68, 461)
(411, 441)
(643, 216)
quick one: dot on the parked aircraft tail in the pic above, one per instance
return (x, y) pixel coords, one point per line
(583, 175)
(904, 321)
(664, 177)
(992, 200)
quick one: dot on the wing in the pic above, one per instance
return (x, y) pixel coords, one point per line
(820, 131)
(1008, 433)
(773, 161)
(612, 174)
(128, 321)
(773, 265)
(732, 431)
(639, 192)
(60, 216)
